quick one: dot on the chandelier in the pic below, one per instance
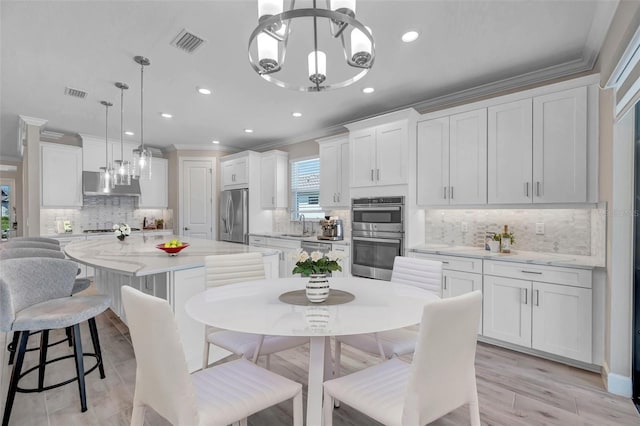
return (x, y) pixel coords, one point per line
(270, 40)
(122, 166)
(141, 155)
(107, 180)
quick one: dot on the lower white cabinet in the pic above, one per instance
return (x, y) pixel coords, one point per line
(549, 317)
(346, 261)
(286, 248)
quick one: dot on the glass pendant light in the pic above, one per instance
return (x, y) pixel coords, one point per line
(107, 181)
(141, 155)
(122, 166)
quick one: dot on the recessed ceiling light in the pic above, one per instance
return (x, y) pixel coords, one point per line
(248, 130)
(216, 141)
(410, 36)
(166, 115)
(204, 91)
(129, 133)
(368, 90)
(296, 114)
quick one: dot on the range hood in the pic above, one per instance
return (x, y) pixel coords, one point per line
(91, 186)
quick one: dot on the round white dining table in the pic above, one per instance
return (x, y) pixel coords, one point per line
(255, 307)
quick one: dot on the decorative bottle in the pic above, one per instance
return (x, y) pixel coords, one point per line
(505, 241)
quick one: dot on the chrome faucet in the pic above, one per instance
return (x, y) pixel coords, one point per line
(304, 223)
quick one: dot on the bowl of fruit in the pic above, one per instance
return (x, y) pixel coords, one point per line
(173, 247)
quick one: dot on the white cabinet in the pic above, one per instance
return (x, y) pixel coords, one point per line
(560, 147)
(61, 175)
(154, 191)
(334, 172)
(452, 166)
(345, 264)
(235, 172)
(273, 171)
(378, 155)
(460, 275)
(286, 248)
(537, 149)
(547, 316)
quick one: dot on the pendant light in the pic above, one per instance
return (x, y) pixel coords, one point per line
(141, 155)
(107, 181)
(122, 166)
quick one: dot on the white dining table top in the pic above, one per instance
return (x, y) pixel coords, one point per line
(254, 307)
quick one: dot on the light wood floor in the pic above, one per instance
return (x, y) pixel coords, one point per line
(514, 389)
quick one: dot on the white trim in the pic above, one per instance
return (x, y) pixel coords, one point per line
(602, 19)
(214, 194)
(627, 62)
(33, 121)
(7, 159)
(193, 147)
(616, 383)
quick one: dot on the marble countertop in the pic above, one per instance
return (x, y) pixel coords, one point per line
(102, 234)
(137, 255)
(521, 256)
(313, 238)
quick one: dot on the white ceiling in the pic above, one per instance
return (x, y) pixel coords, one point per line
(488, 45)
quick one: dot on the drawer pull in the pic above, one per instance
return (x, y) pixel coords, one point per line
(537, 297)
(526, 296)
(444, 262)
(531, 272)
(445, 282)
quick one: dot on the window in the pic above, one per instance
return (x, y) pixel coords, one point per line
(305, 189)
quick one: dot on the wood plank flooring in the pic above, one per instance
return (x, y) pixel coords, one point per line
(514, 389)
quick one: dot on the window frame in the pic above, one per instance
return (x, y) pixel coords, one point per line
(294, 211)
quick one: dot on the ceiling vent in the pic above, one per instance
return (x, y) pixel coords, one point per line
(187, 41)
(76, 93)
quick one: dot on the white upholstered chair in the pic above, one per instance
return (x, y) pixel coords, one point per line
(230, 269)
(440, 378)
(422, 273)
(220, 395)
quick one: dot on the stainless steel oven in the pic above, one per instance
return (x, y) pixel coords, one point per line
(377, 235)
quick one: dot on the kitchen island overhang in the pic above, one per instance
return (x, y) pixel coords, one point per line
(137, 262)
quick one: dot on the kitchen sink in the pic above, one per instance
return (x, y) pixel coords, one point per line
(297, 235)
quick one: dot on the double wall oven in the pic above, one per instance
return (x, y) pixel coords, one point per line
(377, 235)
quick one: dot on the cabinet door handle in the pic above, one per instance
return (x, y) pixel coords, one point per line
(444, 192)
(371, 174)
(273, 201)
(445, 282)
(451, 192)
(538, 188)
(526, 296)
(186, 229)
(526, 189)
(377, 174)
(444, 262)
(537, 297)
(531, 272)
(338, 197)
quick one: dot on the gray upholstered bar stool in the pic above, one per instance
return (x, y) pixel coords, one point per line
(30, 244)
(79, 284)
(35, 296)
(37, 239)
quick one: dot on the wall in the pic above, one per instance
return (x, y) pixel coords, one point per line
(617, 317)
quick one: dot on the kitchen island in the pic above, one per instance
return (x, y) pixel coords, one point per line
(138, 263)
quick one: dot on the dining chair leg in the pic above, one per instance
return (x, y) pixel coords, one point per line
(44, 344)
(138, 414)
(297, 409)
(327, 409)
(13, 346)
(77, 351)
(243, 422)
(69, 336)
(205, 354)
(15, 376)
(95, 339)
(474, 407)
(336, 367)
(256, 352)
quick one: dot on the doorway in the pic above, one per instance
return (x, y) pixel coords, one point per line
(8, 218)
(197, 201)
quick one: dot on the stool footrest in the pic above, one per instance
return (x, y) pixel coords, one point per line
(57, 385)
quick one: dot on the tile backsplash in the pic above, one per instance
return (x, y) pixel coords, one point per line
(568, 231)
(102, 213)
(283, 224)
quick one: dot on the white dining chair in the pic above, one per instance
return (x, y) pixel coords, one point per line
(221, 395)
(440, 378)
(423, 273)
(230, 269)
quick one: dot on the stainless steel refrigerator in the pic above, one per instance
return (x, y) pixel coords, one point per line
(234, 216)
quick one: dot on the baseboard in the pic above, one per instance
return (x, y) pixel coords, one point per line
(616, 383)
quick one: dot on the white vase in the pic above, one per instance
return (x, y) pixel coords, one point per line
(317, 288)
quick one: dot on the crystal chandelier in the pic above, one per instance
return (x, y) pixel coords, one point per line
(107, 181)
(122, 166)
(141, 155)
(269, 41)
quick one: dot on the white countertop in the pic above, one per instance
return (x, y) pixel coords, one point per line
(102, 234)
(313, 238)
(138, 255)
(521, 256)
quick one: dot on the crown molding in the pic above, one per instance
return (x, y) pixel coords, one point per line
(32, 121)
(193, 147)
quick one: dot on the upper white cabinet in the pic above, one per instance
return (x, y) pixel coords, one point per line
(379, 149)
(61, 175)
(537, 149)
(334, 171)
(235, 171)
(154, 192)
(273, 171)
(96, 153)
(452, 166)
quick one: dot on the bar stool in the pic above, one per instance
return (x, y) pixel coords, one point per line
(30, 244)
(37, 239)
(34, 296)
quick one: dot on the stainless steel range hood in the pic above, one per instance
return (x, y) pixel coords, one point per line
(91, 186)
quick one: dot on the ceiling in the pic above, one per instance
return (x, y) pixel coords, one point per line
(465, 48)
